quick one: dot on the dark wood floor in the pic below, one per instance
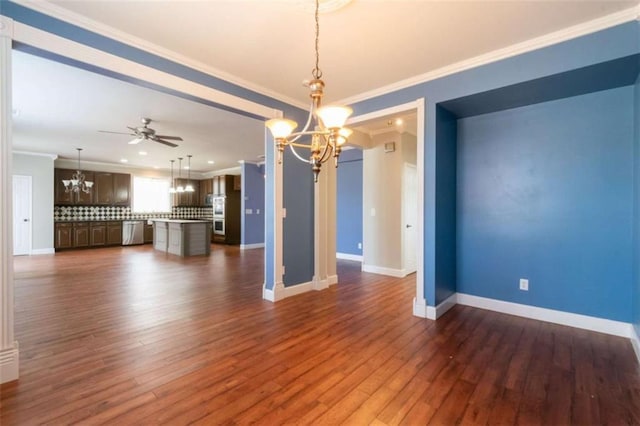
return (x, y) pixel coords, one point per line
(132, 336)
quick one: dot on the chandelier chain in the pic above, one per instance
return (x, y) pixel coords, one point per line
(317, 73)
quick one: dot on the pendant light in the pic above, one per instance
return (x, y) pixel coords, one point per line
(172, 188)
(180, 188)
(189, 187)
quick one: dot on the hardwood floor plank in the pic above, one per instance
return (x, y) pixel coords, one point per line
(156, 339)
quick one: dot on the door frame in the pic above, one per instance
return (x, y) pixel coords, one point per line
(30, 180)
(403, 224)
(419, 302)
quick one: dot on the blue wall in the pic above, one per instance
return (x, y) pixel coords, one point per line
(349, 203)
(253, 199)
(635, 296)
(445, 236)
(600, 47)
(545, 192)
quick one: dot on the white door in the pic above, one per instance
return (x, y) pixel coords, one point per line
(410, 216)
(21, 215)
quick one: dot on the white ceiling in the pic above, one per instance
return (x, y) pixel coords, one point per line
(61, 108)
(266, 45)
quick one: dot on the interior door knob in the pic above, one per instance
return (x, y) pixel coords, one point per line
(409, 226)
(25, 220)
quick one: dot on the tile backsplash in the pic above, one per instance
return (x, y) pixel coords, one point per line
(88, 213)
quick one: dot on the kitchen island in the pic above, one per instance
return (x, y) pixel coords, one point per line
(182, 237)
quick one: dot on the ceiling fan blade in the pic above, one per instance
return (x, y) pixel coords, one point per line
(117, 133)
(136, 141)
(170, 138)
(171, 144)
(133, 129)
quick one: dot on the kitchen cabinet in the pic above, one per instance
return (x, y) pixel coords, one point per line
(122, 189)
(114, 233)
(109, 189)
(97, 234)
(187, 199)
(225, 183)
(84, 234)
(81, 234)
(61, 197)
(206, 188)
(112, 189)
(237, 182)
(63, 235)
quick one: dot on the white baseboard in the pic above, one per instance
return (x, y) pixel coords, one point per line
(9, 364)
(398, 273)
(251, 246)
(332, 279)
(635, 342)
(419, 307)
(43, 251)
(435, 312)
(281, 292)
(585, 322)
(347, 256)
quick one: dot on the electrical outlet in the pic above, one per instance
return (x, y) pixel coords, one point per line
(524, 284)
(360, 246)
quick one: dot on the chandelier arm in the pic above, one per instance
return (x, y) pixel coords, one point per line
(307, 124)
(326, 153)
(293, 150)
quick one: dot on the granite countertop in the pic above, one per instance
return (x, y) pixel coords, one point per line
(181, 220)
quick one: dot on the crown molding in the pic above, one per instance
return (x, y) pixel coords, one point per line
(73, 18)
(37, 154)
(546, 40)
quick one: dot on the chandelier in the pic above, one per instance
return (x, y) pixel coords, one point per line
(77, 182)
(324, 125)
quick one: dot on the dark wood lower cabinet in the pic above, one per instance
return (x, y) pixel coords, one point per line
(98, 231)
(69, 235)
(63, 235)
(114, 233)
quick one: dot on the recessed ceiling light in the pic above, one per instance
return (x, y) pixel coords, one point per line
(156, 167)
(142, 152)
(186, 167)
(124, 160)
(210, 161)
(399, 122)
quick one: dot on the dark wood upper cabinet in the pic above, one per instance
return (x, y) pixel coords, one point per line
(187, 199)
(206, 188)
(109, 189)
(62, 197)
(121, 189)
(103, 189)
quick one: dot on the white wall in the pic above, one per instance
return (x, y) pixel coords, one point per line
(382, 192)
(40, 168)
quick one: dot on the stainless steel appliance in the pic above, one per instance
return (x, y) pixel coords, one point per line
(132, 232)
(208, 201)
(218, 206)
(218, 225)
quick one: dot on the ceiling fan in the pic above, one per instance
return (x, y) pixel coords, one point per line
(147, 133)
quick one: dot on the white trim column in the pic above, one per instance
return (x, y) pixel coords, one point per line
(9, 361)
(419, 302)
(325, 196)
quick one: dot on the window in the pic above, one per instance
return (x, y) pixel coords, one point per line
(151, 195)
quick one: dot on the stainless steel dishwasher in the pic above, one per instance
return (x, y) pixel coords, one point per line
(132, 232)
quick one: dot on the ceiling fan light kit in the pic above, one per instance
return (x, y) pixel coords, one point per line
(146, 133)
(324, 126)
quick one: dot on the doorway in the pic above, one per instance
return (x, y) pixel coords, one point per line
(22, 202)
(410, 216)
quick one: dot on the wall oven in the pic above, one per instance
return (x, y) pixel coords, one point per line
(218, 206)
(218, 225)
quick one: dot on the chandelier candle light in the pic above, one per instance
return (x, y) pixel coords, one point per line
(77, 182)
(324, 124)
